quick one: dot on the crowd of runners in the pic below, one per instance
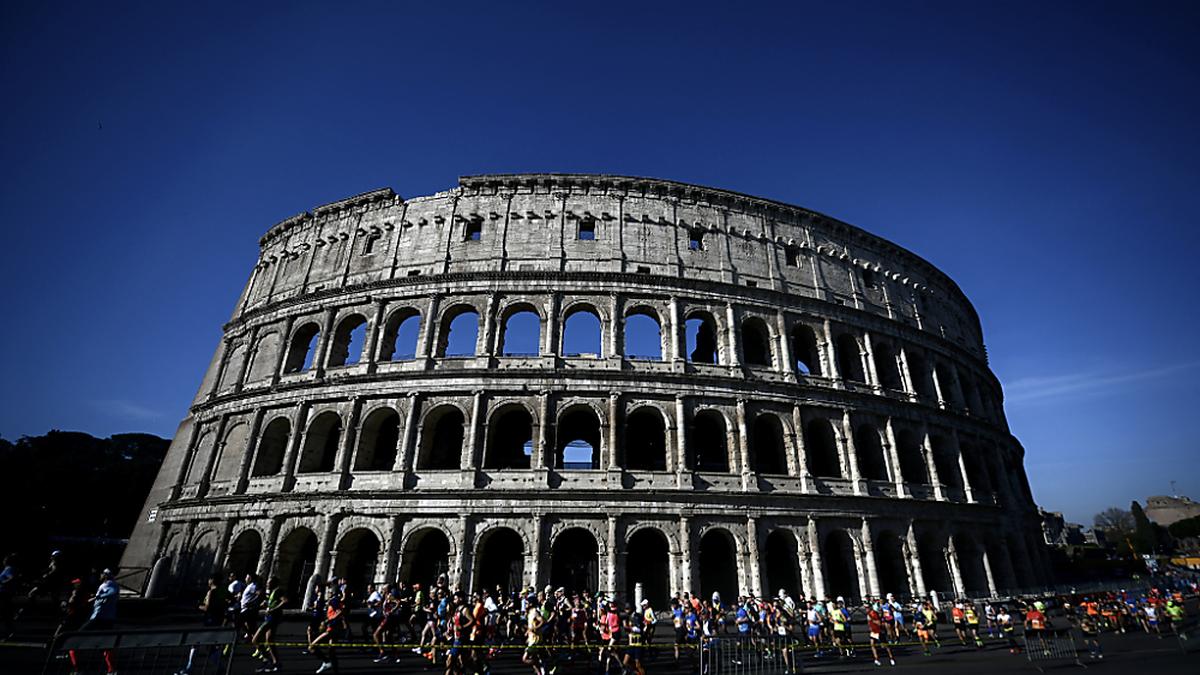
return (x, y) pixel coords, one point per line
(554, 629)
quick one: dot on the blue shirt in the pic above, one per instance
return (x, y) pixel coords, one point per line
(743, 626)
(104, 607)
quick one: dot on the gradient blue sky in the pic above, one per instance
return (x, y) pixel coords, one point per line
(1044, 155)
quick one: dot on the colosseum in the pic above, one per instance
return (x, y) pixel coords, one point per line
(625, 384)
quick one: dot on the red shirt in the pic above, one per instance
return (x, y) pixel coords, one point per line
(874, 625)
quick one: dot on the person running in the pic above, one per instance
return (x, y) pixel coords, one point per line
(264, 636)
(315, 612)
(248, 608)
(1089, 626)
(1008, 629)
(333, 626)
(958, 616)
(813, 617)
(533, 635)
(50, 583)
(989, 615)
(104, 615)
(610, 632)
(972, 619)
(878, 635)
(75, 609)
(1035, 627)
(212, 609)
(632, 659)
(929, 614)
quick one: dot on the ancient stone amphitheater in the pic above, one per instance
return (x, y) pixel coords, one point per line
(624, 384)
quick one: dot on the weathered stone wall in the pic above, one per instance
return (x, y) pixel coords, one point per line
(887, 448)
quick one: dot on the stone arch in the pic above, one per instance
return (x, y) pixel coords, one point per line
(426, 554)
(262, 358)
(356, 559)
(821, 449)
(349, 339)
(582, 331)
(702, 333)
(643, 338)
(233, 448)
(645, 439)
(577, 438)
(708, 448)
(970, 564)
(887, 367)
(525, 320)
(768, 447)
(977, 476)
(782, 564)
(401, 335)
(272, 447)
(869, 447)
(1002, 567)
(321, 442)
(379, 440)
(849, 357)
(509, 437)
(840, 554)
(245, 551)
(463, 318)
(945, 459)
(500, 553)
(922, 382)
(296, 560)
(233, 366)
(443, 432)
(201, 562)
(302, 347)
(806, 350)
(575, 560)
(912, 457)
(951, 394)
(648, 562)
(931, 551)
(889, 564)
(756, 342)
(205, 446)
(718, 564)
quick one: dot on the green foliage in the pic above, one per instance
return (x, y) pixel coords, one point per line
(1188, 527)
(71, 484)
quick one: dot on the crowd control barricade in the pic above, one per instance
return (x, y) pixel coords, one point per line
(750, 655)
(1187, 633)
(160, 651)
(1051, 647)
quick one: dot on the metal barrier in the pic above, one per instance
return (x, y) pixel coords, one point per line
(1187, 633)
(750, 655)
(199, 651)
(1051, 647)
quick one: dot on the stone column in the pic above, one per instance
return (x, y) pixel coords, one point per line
(955, 571)
(752, 557)
(914, 560)
(732, 332)
(404, 454)
(470, 458)
(550, 346)
(893, 455)
(284, 347)
(931, 465)
(541, 450)
(615, 324)
(939, 387)
(678, 352)
(372, 342)
(850, 453)
(221, 555)
(266, 563)
(345, 451)
(252, 443)
(391, 549)
(744, 446)
(685, 550)
(814, 547)
(869, 558)
(968, 493)
(488, 339)
(533, 558)
(681, 464)
(787, 364)
(429, 329)
(869, 356)
(987, 571)
(801, 455)
(614, 411)
(322, 355)
(910, 383)
(324, 560)
(461, 574)
(610, 570)
(831, 355)
(211, 461)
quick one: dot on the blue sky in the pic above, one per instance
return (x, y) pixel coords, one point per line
(1044, 155)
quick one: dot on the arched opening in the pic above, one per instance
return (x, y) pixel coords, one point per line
(849, 358)
(841, 571)
(647, 561)
(971, 396)
(575, 561)
(950, 391)
(229, 461)
(700, 331)
(501, 561)
(768, 453)
(805, 350)
(522, 333)
(262, 358)
(945, 458)
(510, 439)
(321, 443)
(244, 553)
(201, 561)
(886, 366)
(709, 444)
(199, 461)
(348, 339)
(756, 343)
(272, 445)
(357, 560)
(442, 439)
(783, 564)
(976, 474)
(302, 348)
(970, 564)
(426, 555)
(643, 335)
(400, 335)
(889, 564)
(460, 333)
(581, 333)
(869, 448)
(577, 439)
(821, 449)
(1001, 563)
(645, 440)
(378, 442)
(932, 554)
(922, 383)
(912, 457)
(718, 565)
(296, 561)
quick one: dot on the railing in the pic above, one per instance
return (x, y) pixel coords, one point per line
(749, 655)
(198, 651)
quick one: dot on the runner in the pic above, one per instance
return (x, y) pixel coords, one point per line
(1008, 629)
(958, 617)
(333, 626)
(878, 635)
(213, 608)
(972, 618)
(247, 619)
(264, 636)
(533, 635)
(1090, 628)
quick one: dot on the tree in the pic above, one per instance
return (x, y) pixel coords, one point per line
(1118, 526)
(1145, 538)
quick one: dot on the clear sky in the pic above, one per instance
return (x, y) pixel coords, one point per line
(1044, 155)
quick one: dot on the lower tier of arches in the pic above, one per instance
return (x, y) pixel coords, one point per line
(633, 554)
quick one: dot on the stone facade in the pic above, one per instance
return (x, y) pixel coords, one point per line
(819, 416)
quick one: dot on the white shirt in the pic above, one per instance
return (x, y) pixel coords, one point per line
(250, 597)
